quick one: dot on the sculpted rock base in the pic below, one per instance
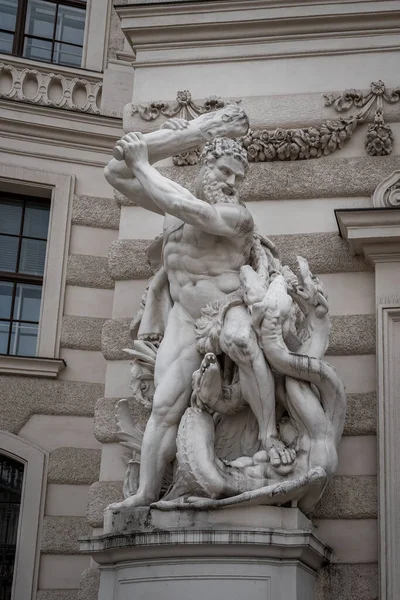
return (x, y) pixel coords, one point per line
(257, 553)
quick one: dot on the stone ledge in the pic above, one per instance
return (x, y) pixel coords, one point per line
(95, 212)
(75, 466)
(34, 366)
(81, 333)
(325, 177)
(60, 534)
(325, 252)
(104, 421)
(362, 415)
(101, 494)
(349, 497)
(351, 335)
(89, 271)
(25, 396)
(348, 582)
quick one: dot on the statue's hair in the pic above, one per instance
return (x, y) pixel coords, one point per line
(223, 146)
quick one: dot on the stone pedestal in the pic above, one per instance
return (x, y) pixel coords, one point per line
(251, 553)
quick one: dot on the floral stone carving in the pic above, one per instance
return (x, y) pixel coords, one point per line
(244, 407)
(380, 137)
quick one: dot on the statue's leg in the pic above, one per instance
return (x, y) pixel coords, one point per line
(239, 342)
(177, 359)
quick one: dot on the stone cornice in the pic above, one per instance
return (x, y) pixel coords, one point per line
(372, 232)
(58, 129)
(33, 366)
(239, 21)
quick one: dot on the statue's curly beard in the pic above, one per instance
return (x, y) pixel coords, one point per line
(213, 191)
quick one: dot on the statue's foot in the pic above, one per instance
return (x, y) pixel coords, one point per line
(280, 456)
(131, 502)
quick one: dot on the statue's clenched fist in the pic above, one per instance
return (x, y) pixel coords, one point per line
(134, 149)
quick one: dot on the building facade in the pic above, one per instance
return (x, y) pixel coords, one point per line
(74, 76)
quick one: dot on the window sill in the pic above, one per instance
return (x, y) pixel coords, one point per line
(33, 366)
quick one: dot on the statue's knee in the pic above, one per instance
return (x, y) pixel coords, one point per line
(239, 343)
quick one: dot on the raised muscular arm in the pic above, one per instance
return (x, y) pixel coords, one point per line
(170, 197)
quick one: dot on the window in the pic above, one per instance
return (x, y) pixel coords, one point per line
(24, 225)
(43, 30)
(11, 477)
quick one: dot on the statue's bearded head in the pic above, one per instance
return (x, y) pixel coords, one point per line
(224, 164)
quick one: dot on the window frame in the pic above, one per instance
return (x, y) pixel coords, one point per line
(95, 40)
(27, 555)
(20, 35)
(59, 188)
(16, 277)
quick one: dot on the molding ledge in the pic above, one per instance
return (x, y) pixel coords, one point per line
(373, 232)
(33, 366)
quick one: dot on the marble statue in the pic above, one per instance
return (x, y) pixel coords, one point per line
(229, 343)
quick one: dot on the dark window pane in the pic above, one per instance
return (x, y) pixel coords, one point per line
(10, 216)
(36, 220)
(8, 14)
(64, 54)
(40, 18)
(4, 329)
(6, 290)
(6, 42)
(23, 339)
(27, 302)
(37, 49)
(70, 24)
(33, 255)
(8, 253)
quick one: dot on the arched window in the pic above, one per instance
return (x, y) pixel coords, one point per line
(11, 478)
(22, 492)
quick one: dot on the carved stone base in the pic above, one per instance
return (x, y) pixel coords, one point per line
(256, 553)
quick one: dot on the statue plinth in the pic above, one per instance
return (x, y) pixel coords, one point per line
(251, 552)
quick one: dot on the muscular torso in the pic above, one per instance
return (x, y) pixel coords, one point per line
(202, 267)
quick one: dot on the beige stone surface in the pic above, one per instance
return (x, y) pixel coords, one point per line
(350, 293)
(60, 534)
(57, 595)
(348, 582)
(139, 223)
(321, 178)
(88, 302)
(101, 494)
(352, 540)
(352, 335)
(114, 338)
(117, 379)
(348, 498)
(89, 271)
(91, 241)
(104, 420)
(127, 259)
(57, 431)
(83, 333)
(95, 212)
(61, 571)
(361, 417)
(127, 297)
(77, 466)
(89, 584)
(358, 373)
(357, 455)
(83, 365)
(63, 500)
(113, 463)
(116, 37)
(23, 396)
